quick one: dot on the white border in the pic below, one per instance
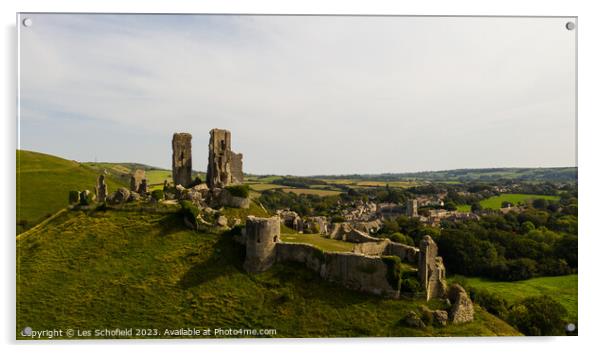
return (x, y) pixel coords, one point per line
(590, 32)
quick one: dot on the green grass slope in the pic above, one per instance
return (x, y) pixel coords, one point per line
(121, 268)
(43, 184)
(562, 288)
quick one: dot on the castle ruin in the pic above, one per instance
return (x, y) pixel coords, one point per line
(350, 269)
(224, 167)
(181, 159)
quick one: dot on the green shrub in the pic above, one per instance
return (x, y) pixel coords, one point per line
(491, 302)
(189, 211)
(73, 197)
(241, 190)
(538, 316)
(157, 195)
(409, 283)
(402, 238)
(394, 270)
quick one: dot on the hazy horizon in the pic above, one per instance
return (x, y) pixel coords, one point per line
(302, 95)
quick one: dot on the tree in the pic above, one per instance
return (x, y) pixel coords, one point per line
(538, 316)
(476, 207)
(541, 204)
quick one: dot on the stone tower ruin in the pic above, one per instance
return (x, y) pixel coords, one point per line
(412, 208)
(431, 270)
(181, 159)
(262, 235)
(224, 167)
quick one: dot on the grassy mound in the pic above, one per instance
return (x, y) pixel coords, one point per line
(44, 182)
(124, 268)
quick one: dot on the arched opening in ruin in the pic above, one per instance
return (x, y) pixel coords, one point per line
(275, 238)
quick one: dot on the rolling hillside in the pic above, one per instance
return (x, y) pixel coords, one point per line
(126, 268)
(43, 184)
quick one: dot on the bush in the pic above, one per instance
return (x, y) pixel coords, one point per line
(196, 181)
(538, 316)
(402, 238)
(73, 197)
(409, 283)
(157, 195)
(491, 302)
(241, 190)
(189, 211)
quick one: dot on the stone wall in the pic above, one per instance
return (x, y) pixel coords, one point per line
(431, 270)
(406, 253)
(181, 159)
(136, 178)
(354, 271)
(237, 175)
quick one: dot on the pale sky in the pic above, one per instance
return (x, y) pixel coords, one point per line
(302, 95)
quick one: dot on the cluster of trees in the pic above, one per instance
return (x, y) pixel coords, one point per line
(298, 182)
(541, 240)
(533, 316)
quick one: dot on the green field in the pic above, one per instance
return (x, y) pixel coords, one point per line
(126, 268)
(495, 202)
(259, 187)
(562, 288)
(319, 192)
(44, 182)
(158, 176)
(319, 241)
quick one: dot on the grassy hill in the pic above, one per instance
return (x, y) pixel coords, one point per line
(561, 288)
(43, 184)
(126, 268)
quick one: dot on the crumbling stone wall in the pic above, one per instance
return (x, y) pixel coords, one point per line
(181, 159)
(406, 253)
(431, 270)
(354, 271)
(262, 235)
(347, 232)
(237, 175)
(136, 178)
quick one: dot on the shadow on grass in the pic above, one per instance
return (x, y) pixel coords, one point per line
(227, 257)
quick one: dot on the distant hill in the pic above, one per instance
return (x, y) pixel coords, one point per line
(562, 174)
(145, 270)
(44, 182)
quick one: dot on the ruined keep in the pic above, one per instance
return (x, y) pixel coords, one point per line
(224, 166)
(412, 208)
(101, 189)
(262, 235)
(431, 271)
(181, 159)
